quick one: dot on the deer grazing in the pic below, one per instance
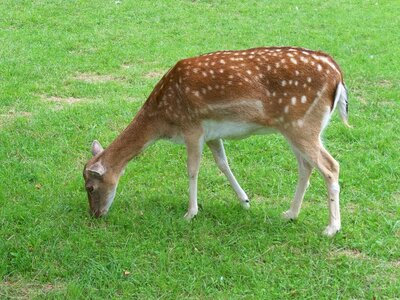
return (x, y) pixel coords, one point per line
(233, 94)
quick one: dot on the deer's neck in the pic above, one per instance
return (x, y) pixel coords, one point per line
(139, 134)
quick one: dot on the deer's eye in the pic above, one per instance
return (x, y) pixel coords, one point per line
(90, 189)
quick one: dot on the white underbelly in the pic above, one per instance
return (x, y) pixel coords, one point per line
(231, 130)
(213, 130)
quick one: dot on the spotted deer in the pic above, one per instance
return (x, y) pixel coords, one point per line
(233, 94)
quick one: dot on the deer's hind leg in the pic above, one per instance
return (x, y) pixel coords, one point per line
(312, 151)
(304, 172)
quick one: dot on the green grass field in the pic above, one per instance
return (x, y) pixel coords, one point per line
(74, 71)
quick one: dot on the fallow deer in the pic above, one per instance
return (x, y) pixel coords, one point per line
(233, 94)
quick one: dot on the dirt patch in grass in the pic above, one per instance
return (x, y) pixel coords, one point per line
(126, 66)
(385, 83)
(96, 78)
(27, 290)
(353, 253)
(61, 101)
(388, 103)
(357, 254)
(362, 100)
(11, 115)
(15, 114)
(153, 74)
(67, 100)
(134, 100)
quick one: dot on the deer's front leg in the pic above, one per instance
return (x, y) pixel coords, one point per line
(194, 147)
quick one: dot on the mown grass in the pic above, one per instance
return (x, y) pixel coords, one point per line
(73, 71)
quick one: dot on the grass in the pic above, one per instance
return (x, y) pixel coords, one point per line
(74, 71)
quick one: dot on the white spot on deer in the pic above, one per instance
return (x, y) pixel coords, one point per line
(290, 55)
(222, 61)
(257, 68)
(196, 93)
(303, 59)
(204, 74)
(248, 72)
(251, 56)
(290, 82)
(268, 68)
(273, 94)
(280, 100)
(221, 71)
(296, 73)
(213, 63)
(209, 87)
(277, 65)
(303, 99)
(187, 89)
(305, 53)
(319, 68)
(195, 70)
(211, 72)
(304, 85)
(309, 79)
(293, 100)
(283, 60)
(283, 82)
(293, 61)
(217, 86)
(280, 119)
(296, 83)
(286, 109)
(285, 94)
(229, 82)
(261, 76)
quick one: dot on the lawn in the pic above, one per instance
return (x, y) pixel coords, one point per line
(75, 71)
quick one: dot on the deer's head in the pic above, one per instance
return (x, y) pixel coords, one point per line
(100, 182)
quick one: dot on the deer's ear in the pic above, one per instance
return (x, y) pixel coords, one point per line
(96, 148)
(97, 169)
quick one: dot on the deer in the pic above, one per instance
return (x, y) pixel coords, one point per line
(232, 95)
